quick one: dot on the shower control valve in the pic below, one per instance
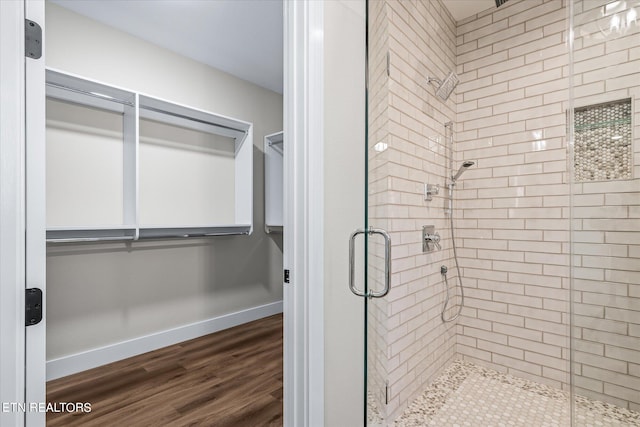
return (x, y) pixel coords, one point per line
(430, 190)
(430, 239)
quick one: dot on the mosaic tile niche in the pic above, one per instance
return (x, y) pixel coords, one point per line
(603, 141)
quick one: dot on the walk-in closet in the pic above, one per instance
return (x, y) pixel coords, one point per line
(164, 210)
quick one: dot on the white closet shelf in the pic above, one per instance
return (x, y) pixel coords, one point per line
(192, 118)
(273, 182)
(135, 106)
(71, 88)
(275, 139)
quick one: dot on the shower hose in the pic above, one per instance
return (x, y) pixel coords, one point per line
(443, 271)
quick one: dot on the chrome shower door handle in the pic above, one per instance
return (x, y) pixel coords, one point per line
(387, 263)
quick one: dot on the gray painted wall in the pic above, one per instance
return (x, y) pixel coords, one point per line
(108, 293)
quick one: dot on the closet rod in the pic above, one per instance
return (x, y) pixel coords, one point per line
(192, 119)
(90, 239)
(126, 238)
(92, 94)
(187, 235)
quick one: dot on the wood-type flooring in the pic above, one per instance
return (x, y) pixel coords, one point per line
(231, 378)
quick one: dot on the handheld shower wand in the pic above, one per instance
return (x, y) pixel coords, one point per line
(443, 270)
(465, 165)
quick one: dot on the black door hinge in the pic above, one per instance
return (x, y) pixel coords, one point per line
(286, 276)
(32, 39)
(32, 306)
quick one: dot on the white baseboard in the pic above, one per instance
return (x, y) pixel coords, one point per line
(79, 362)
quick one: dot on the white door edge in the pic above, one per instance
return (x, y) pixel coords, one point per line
(35, 241)
(12, 212)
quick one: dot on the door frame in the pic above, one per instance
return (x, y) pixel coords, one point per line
(22, 223)
(303, 306)
(303, 213)
(35, 218)
(12, 210)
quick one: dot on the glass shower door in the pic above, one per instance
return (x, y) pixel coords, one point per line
(378, 270)
(377, 244)
(606, 212)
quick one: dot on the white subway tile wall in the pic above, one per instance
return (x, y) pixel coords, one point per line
(607, 235)
(411, 344)
(512, 208)
(517, 273)
(518, 258)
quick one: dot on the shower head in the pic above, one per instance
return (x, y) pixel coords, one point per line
(463, 168)
(446, 86)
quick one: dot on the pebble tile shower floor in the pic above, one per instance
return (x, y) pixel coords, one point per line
(469, 395)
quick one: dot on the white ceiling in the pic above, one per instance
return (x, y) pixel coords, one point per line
(240, 37)
(461, 9)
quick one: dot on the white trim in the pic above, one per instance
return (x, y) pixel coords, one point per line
(79, 362)
(315, 210)
(35, 199)
(304, 214)
(293, 351)
(12, 211)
